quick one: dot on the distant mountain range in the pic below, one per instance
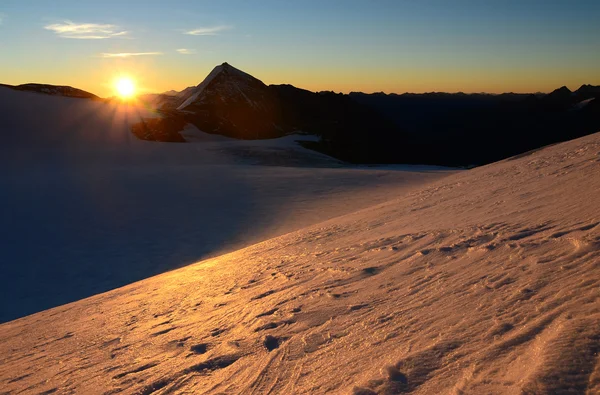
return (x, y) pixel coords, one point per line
(233, 103)
(432, 128)
(415, 112)
(55, 90)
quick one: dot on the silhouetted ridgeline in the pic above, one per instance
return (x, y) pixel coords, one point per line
(459, 129)
(433, 128)
(56, 90)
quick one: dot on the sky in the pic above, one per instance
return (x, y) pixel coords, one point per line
(340, 45)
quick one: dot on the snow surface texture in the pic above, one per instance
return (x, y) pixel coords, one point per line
(484, 282)
(86, 207)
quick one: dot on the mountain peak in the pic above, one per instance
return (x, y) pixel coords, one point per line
(225, 70)
(560, 93)
(229, 69)
(588, 89)
(563, 89)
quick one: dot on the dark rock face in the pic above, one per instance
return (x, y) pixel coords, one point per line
(462, 130)
(587, 91)
(165, 129)
(233, 103)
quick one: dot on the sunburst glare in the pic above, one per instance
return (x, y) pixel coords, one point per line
(125, 87)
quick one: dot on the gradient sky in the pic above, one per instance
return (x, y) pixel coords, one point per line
(346, 45)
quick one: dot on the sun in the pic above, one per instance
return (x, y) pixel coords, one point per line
(125, 87)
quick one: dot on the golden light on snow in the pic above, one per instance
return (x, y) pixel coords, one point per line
(125, 87)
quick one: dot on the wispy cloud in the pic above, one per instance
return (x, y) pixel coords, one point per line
(208, 31)
(86, 31)
(128, 54)
(186, 51)
(2, 17)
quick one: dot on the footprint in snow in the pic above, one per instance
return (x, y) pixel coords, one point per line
(200, 348)
(272, 342)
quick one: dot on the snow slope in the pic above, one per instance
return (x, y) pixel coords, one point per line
(193, 95)
(486, 281)
(86, 207)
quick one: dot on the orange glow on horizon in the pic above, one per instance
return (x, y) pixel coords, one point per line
(149, 77)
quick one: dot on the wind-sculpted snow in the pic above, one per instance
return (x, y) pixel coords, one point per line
(486, 281)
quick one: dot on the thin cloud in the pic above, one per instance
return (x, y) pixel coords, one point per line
(208, 31)
(128, 54)
(186, 51)
(2, 17)
(86, 31)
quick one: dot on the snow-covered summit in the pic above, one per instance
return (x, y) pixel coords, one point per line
(237, 81)
(233, 103)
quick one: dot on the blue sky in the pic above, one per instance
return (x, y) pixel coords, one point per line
(386, 45)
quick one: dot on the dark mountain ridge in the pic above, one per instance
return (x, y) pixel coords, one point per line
(233, 103)
(55, 90)
(431, 128)
(474, 129)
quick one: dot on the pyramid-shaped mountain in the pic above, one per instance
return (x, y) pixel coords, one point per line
(436, 128)
(561, 93)
(228, 83)
(235, 104)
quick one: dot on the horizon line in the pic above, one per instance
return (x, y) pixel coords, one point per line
(338, 92)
